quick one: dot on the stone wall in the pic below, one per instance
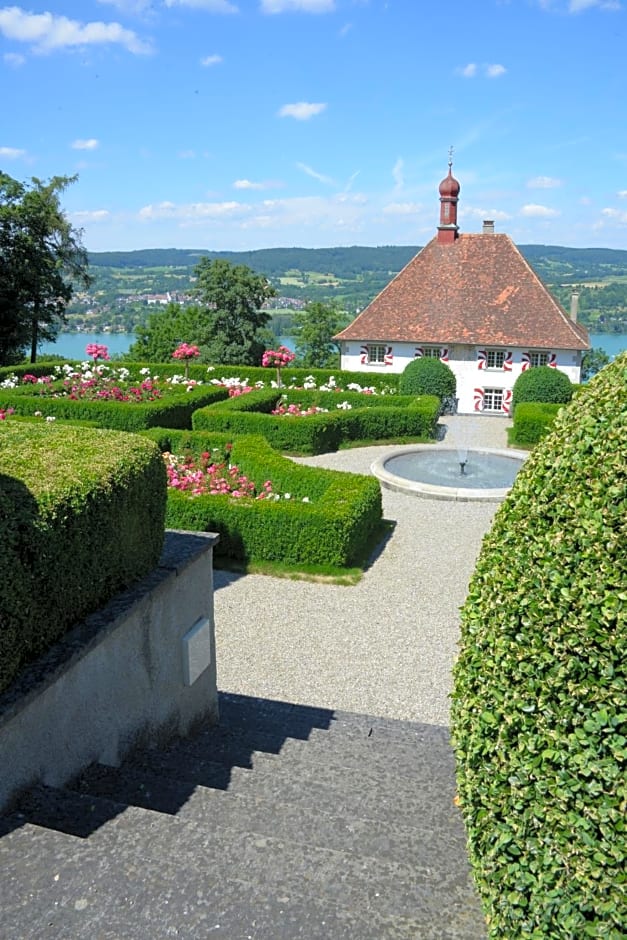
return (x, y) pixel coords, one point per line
(138, 672)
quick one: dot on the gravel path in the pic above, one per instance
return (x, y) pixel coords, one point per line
(383, 647)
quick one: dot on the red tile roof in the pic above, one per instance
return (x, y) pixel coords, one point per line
(477, 291)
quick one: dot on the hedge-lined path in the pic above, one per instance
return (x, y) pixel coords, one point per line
(385, 646)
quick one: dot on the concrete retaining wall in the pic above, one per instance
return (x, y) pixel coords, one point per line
(140, 671)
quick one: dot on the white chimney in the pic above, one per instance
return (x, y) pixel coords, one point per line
(488, 227)
(574, 305)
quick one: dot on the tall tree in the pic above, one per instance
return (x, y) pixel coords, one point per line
(166, 329)
(313, 330)
(42, 260)
(234, 296)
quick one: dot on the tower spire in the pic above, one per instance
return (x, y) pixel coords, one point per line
(449, 195)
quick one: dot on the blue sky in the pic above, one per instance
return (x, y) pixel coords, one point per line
(243, 124)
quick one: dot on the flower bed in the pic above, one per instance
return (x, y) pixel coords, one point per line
(321, 517)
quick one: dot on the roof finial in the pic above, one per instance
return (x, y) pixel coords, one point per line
(450, 157)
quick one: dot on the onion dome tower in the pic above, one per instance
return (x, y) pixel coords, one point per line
(449, 195)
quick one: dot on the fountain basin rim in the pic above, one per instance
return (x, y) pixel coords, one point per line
(431, 491)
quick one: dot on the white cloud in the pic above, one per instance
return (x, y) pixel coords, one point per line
(476, 212)
(622, 194)
(211, 6)
(543, 182)
(192, 212)
(495, 71)
(90, 144)
(95, 215)
(345, 30)
(616, 215)
(472, 70)
(210, 60)
(12, 153)
(402, 208)
(397, 174)
(264, 184)
(297, 6)
(46, 32)
(315, 175)
(301, 110)
(533, 211)
(14, 59)
(134, 7)
(578, 6)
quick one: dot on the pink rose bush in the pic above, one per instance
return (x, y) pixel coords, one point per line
(212, 475)
(279, 358)
(185, 352)
(97, 351)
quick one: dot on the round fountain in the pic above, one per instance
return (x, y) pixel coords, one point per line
(482, 474)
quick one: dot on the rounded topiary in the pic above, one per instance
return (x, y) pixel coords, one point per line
(542, 383)
(427, 376)
(539, 712)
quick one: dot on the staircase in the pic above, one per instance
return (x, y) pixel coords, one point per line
(283, 822)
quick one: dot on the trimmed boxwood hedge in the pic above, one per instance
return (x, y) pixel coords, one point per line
(370, 418)
(543, 384)
(332, 528)
(539, 705)
(532, 422)
(428, 376)
(81, 518)
(174, 410)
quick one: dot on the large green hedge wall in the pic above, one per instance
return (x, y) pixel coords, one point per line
(370, 418)
(539, 705)
(81, 518)
(342, 513)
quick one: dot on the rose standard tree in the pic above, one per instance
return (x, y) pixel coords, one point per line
(42, 261)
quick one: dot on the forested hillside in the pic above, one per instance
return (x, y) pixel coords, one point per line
(128, 284)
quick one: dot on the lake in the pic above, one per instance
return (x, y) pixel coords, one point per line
(72, 345)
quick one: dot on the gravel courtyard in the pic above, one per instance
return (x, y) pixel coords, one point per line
(383, 647)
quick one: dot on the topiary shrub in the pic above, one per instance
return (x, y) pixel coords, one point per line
(542, 383)
(82, 515)
(427, 376)
(539, 715)
(532, 422)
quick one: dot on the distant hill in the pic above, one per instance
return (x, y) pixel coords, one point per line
(127, 282)
(552, 262)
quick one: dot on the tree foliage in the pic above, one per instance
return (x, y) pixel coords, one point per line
(166, 329)
(314, 329)
(592, 362)
(233, 296)
(41, 261)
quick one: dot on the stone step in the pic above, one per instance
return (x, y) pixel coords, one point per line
(306, 722)
(362, 790)
(436, 836)
(150, 871)
(241, 746)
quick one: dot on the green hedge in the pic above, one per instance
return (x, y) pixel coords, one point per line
(174, 410)
(81, 518)
(428, 376)
(542, 384)
(532, 422)
(342, 513)
(370, 418)
(539, 705)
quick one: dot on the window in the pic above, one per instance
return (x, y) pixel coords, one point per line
(538, 358)
(493, 399)
(494, 358)
(376, 354)
(431, 352)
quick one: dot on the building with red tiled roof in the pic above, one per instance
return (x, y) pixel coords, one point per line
(473, 302)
